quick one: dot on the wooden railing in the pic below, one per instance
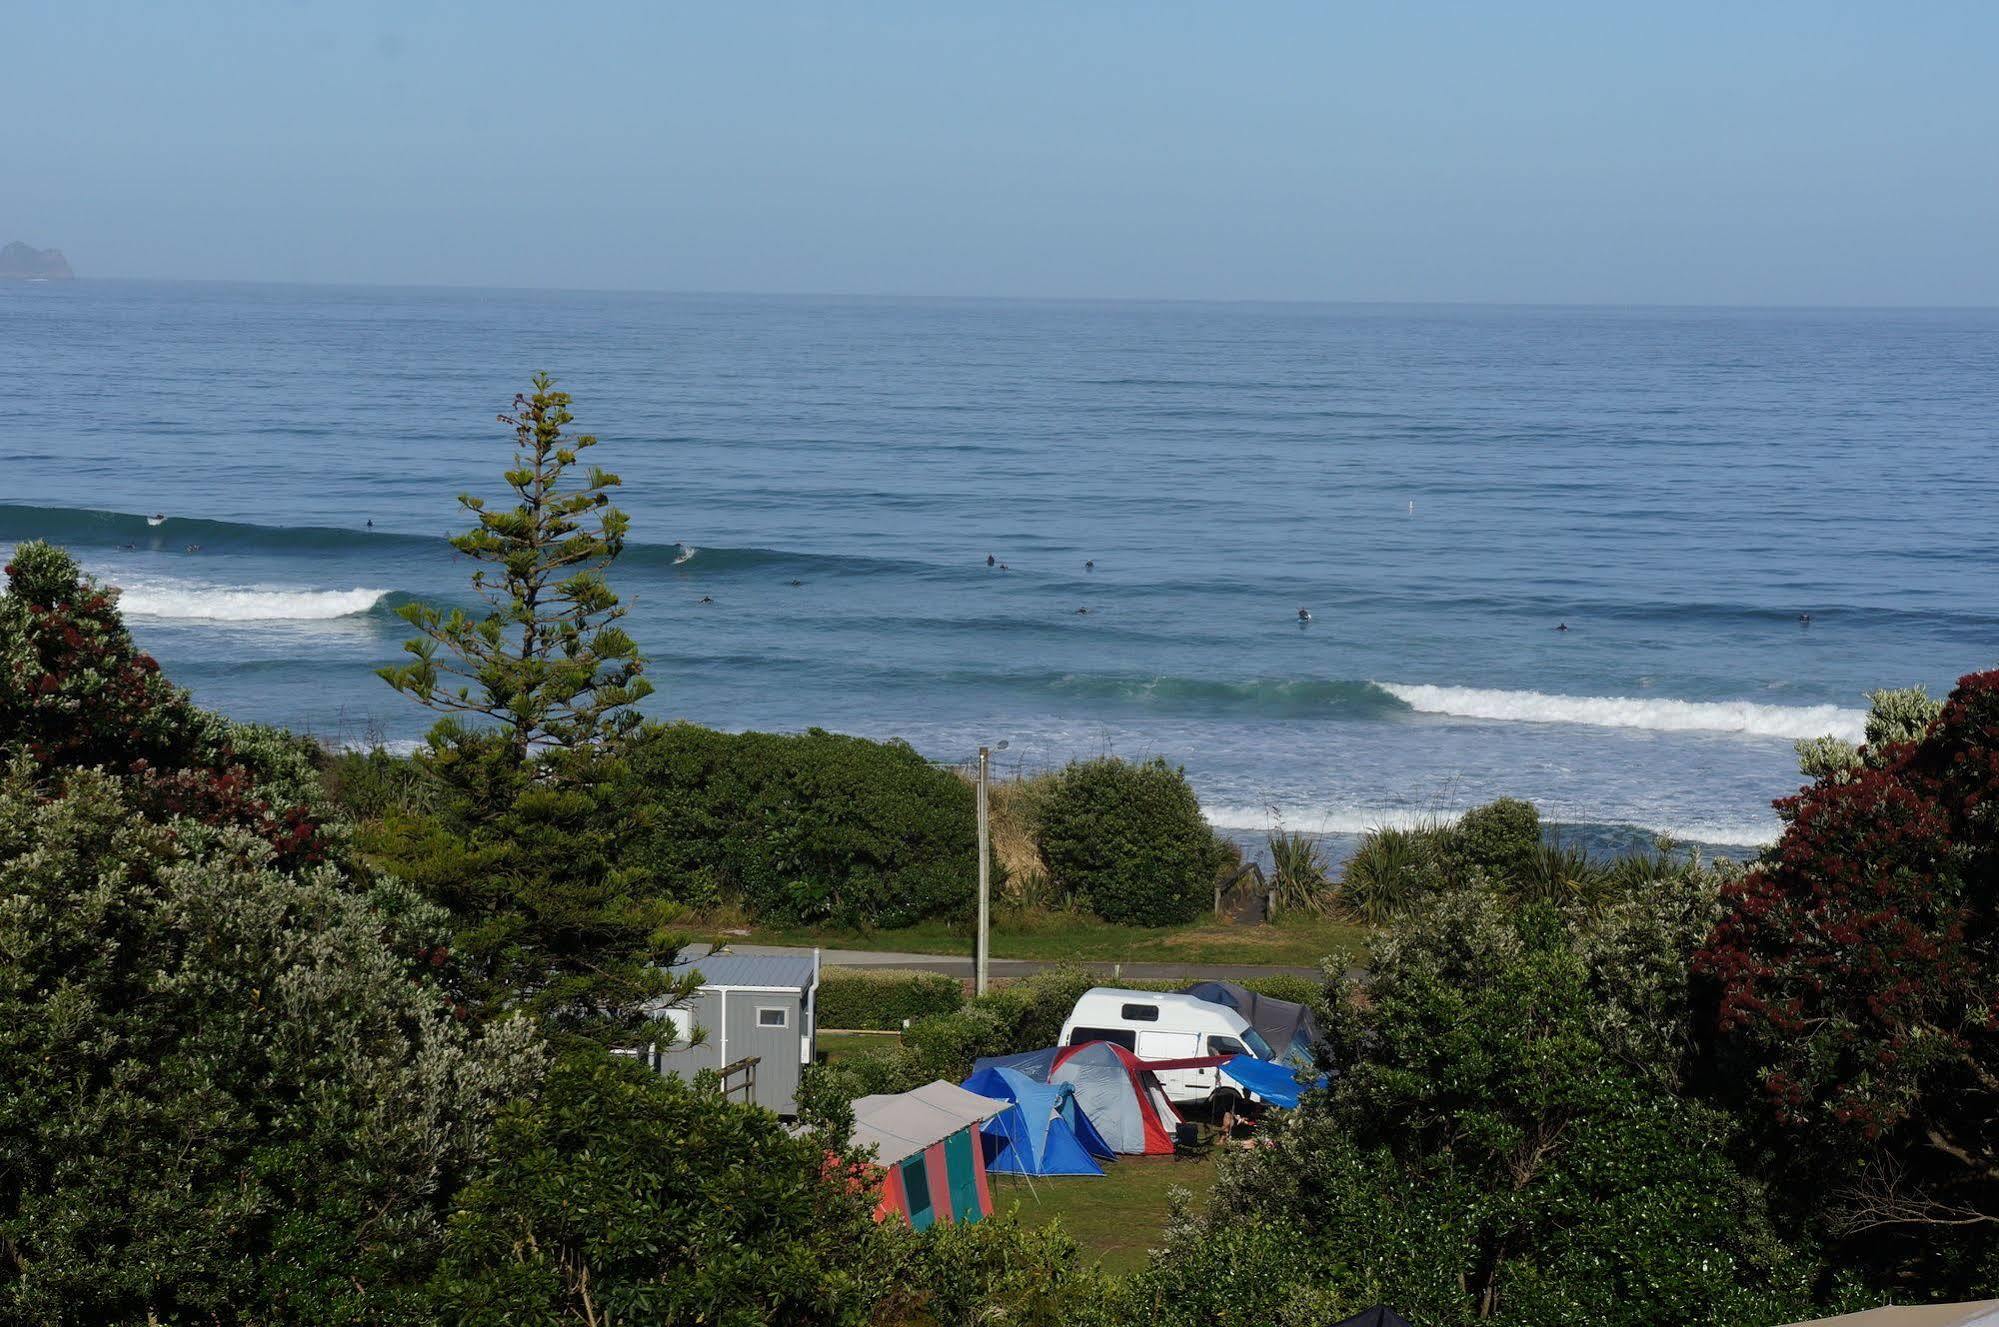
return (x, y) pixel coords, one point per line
(1225, 890)
(746, 1070)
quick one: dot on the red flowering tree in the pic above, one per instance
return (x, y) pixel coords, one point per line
(77, 693)
(1857, 970)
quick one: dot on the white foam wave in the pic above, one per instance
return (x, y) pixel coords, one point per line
(1335, 820)
(1363, 820)
(1665, 716)
(226, 603)
(687, 551)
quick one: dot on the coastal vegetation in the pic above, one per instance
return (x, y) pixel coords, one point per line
(296, 1037)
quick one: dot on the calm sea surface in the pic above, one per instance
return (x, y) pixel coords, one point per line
(1441, 487)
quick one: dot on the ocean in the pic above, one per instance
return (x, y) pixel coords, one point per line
(1443, 488)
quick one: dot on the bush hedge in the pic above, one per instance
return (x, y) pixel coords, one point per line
(1501, 839)
(1128, 841)
(879, 999)
(812, 827)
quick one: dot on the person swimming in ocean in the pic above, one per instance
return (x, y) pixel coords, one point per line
(194, 548)
(989, 559)
(1304, 615)
(371, 522)
(1091, 565)
(795, 584)
(706, 600)
(1082, 611)
(1804, 619)
(1561, 626)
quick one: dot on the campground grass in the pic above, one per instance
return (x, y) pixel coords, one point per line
(839, 1046)
(1299, 940)
(1117, 1218)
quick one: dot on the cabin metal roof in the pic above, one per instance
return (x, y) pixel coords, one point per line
(731, 971)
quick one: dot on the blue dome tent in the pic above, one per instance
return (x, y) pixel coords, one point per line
(1044, 1133)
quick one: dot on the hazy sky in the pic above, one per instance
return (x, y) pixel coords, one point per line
(1681, 152)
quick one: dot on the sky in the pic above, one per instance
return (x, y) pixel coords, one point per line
(1777, 152)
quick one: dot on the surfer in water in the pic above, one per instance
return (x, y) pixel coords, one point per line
(1091, 565)
(1804, 619)
(157, 518)
(1304, 615)
(1561, 626)
(706, 600)
(194, 548)
(796, 584)
(989, 559)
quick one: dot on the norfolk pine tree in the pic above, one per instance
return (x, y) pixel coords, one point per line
(537, 696)
(548, 663)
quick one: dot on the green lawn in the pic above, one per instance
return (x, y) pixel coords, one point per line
(838, 1046)
(1301, 940)
(1117, 1218)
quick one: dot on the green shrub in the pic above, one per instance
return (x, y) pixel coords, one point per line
(375, 784)
(812, 827)
(1562, 873)
(616, 1195)
(1390, 870)
(1298, 872)
(993, 1273)
(1128, 842)
(880, 999)
(1501, 838)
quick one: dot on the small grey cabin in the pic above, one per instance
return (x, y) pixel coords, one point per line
(750, 1005)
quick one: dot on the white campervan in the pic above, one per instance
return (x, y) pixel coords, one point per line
(1157, 1026)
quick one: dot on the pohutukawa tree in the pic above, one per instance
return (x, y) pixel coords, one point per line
(1858, 981)
(547, 663)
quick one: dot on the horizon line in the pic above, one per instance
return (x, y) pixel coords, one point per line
(707, 293)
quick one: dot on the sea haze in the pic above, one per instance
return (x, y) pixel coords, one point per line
(1676, 486)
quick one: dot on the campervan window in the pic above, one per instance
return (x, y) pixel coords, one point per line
(1220, 1045)
(1124, 1037)
(1257, 1045)
(1140, 1013)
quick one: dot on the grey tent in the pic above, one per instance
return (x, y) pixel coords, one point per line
(1378, 1316)
(1973, 1313)
(1289, 1027)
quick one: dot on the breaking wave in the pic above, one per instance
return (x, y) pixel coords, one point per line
(1354, 821)
(1663, 716)
(179, 600)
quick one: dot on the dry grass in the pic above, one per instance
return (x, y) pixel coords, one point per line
(1014, 806)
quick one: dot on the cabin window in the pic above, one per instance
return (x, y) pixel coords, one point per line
(1124, 1037)
(682, 1022)
(1226, 1046)
(773, 1016)
(1140, 1013)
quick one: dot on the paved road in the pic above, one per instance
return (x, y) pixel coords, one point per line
(1021, 967)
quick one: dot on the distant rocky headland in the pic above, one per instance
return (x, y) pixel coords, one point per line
(24, 262)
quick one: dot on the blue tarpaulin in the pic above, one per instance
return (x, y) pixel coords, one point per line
(1277, 1084)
